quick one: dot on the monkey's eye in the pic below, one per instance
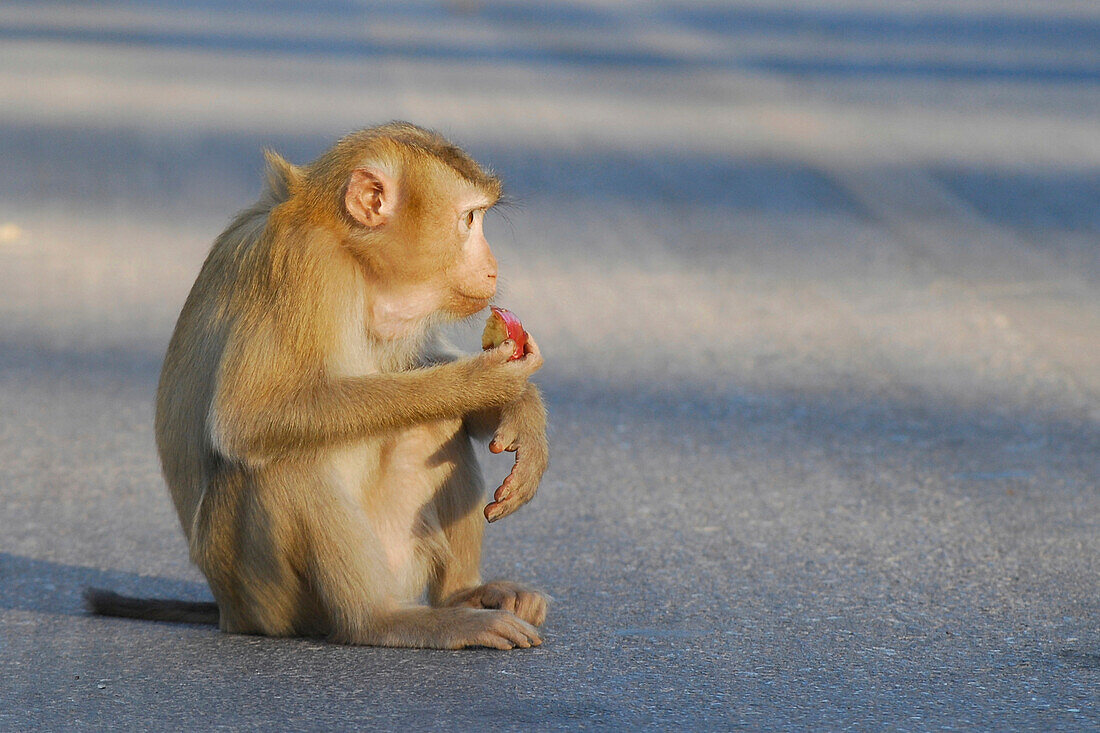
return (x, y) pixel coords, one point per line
(470, 218)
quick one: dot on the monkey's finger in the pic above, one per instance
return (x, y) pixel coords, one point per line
(493, 641)
(540, 613)
(501, 640)
(514, 629)
(500, 509)
(532, 357)
(523, 480)
(497, 510)
(532, 348)
(505, 439)
(518, 488)
(501, 354)
(522, 632)
(523, 643)
(501, 443)
(531, 607)
(505, 489)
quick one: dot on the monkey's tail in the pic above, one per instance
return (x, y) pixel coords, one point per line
(108, 603)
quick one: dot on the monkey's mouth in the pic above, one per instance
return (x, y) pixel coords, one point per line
(468, 305)
(482, 297)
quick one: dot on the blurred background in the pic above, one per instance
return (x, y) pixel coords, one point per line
(817, 285)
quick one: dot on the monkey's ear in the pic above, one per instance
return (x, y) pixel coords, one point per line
(371, 196)
(281, 175)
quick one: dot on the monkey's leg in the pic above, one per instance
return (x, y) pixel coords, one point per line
(458, 507)
(248, 547)
(349, 572)
(457, 580)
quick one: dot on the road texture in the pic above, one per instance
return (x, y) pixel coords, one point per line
(819, 289)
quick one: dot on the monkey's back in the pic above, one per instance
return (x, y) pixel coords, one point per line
(189, 375)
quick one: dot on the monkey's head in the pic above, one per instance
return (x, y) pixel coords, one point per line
(412, 207)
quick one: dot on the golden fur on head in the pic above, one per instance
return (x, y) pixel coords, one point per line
(394, 146)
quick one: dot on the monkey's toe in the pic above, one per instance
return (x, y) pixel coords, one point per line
(501, 630)
(531, 607)
(527, 604)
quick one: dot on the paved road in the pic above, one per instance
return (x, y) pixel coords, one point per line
(819, 286)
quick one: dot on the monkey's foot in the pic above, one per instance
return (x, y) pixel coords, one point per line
(527, 603)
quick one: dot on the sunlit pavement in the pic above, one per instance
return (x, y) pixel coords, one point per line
(818, 285)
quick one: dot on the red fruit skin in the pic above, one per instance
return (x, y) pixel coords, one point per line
(514, 328)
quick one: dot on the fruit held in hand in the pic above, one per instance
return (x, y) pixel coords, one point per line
(503, 324)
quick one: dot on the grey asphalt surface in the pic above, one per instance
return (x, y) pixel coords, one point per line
(818, 285)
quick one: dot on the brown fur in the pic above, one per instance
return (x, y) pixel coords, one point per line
(314, 433)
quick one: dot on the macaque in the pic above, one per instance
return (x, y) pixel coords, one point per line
(315, 431)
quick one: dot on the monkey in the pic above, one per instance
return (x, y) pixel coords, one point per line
(314, 429)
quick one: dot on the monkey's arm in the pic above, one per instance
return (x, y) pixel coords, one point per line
(254, 417)
(486, 423)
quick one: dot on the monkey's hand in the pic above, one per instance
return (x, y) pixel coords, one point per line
(522, 430)
(493, 378)
(527, 603)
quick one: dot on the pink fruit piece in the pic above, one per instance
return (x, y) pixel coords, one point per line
(503, 324)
